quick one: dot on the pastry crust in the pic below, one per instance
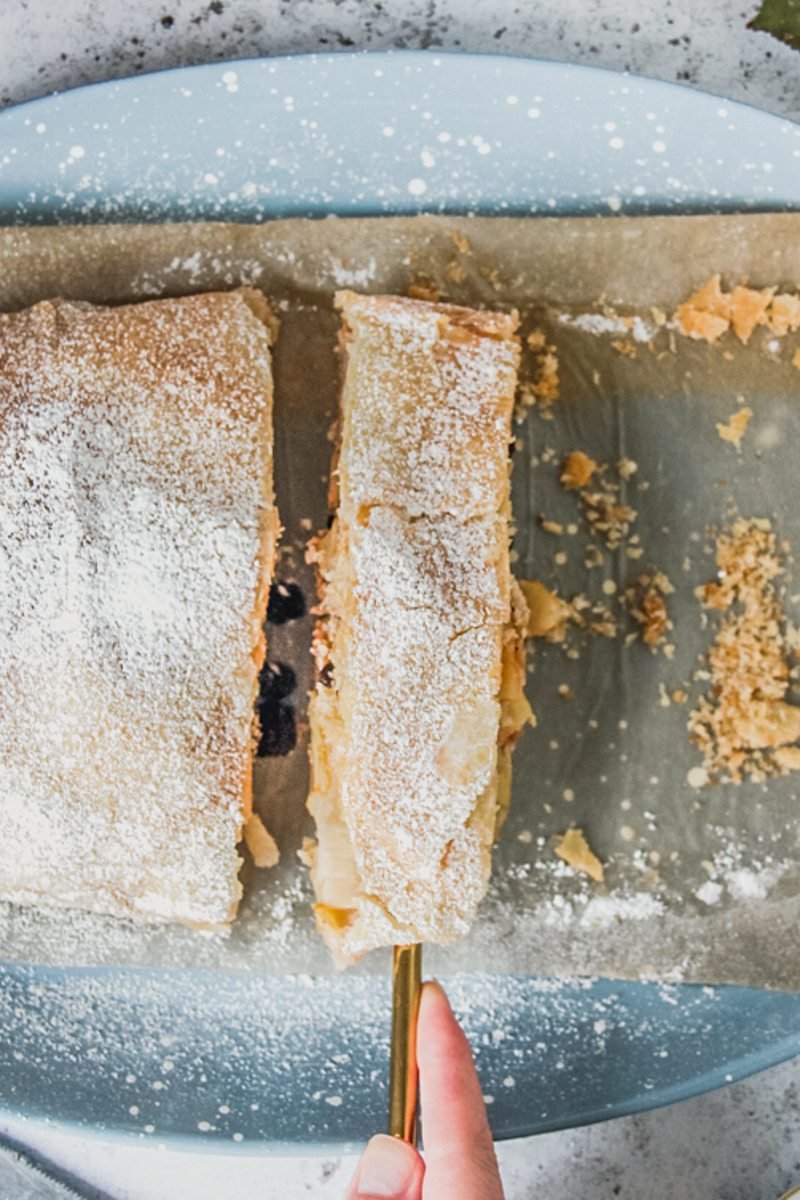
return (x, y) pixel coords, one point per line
(419, 645)
(137, 537)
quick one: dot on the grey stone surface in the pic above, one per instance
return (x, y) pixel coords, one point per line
(54, 44)
(742, 1143)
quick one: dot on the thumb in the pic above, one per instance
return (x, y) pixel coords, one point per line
(388, 1170)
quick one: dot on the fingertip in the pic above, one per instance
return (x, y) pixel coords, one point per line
(434, 1002)
(438, 1029)
(432, 987)
(433, 993)
(390, 1169)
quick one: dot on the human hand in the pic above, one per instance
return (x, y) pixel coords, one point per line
(459, 1162)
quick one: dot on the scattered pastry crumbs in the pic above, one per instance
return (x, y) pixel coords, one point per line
(624, 347)
(549, 616)
(542, 390)
(602, 622)
(733, 431)
(744, 727)
(573, 848)
(600, 496)
(646, 604)
(796, 359)
(710, 312)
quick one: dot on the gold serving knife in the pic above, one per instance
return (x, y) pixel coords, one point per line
(403, 1073)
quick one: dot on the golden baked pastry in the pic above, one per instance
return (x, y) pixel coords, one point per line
(137, 535)
(419, 646)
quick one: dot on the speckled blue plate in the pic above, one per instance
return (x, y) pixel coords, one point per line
(221, 1059)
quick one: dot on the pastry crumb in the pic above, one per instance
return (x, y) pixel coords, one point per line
(734, 429)
(576, 852)
(706, 315)
(784, 314)
(548, 614)
(627, 468)
(645, 601)
(577, 470)
(748, 310)
(260, 842)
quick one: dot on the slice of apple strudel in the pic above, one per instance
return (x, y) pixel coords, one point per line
(419, 645)
(137, 536)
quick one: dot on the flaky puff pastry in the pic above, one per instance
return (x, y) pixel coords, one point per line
(137, 537)
(419, 649)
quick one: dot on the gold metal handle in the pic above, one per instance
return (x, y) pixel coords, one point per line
(403, 1074)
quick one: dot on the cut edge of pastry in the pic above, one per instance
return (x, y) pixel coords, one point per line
(351, 921)
(253, 833)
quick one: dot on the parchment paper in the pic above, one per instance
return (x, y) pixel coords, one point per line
(613, 760)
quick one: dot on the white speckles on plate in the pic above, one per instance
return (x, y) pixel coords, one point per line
(353, 155)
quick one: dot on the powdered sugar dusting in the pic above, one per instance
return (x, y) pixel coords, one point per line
(135, 530)
(314, 1052)
(417, 582)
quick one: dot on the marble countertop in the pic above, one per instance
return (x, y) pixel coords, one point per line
(56, 44)
(742, 1143)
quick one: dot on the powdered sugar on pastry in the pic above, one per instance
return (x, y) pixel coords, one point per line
(409, 750)
(137, 533)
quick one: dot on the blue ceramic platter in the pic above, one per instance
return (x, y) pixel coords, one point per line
(220, 1059)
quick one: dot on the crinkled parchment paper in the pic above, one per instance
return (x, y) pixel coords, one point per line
(613, 760)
